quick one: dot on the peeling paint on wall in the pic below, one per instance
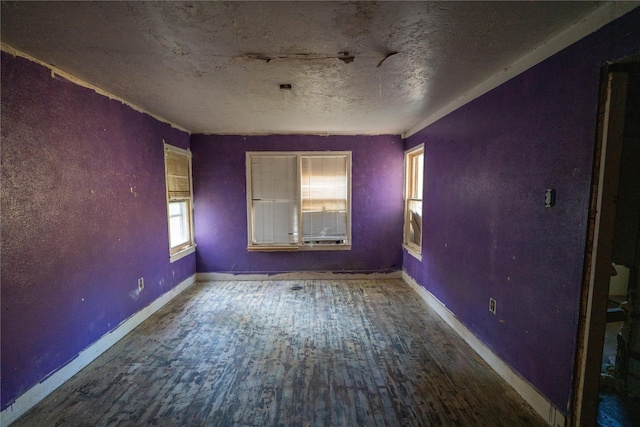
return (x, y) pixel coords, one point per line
(220, 204)
(83, 217)
(487, 231)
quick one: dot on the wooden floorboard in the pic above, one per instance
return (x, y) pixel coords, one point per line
(261, 353)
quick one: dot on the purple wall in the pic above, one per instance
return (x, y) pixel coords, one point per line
(83, 217)
(84, 214)
(486, 230)
(221, 206)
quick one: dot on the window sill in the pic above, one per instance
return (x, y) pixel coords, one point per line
(413, 252)
(183, 253)
(321, 247)
(265, 248)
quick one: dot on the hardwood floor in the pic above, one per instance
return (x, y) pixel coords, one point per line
(280, 353)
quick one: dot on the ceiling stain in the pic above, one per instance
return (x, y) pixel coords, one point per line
(357, 67)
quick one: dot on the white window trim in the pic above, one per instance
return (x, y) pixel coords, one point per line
(411, 249)
(300, 245)
(183, 253)
(191, 247)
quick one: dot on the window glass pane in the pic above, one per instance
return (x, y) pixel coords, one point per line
(179, 199)
(274, 199)
(178, 223)
(414, 219)
(273, 177)
(275, 222)
(324, 226)
(297, 198)
(324, 189)
(178, 178)
(414, 163)
(418, 170)
(415, 173)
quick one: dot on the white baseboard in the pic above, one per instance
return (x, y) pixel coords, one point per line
(41, 390)
(301, 275)
(528, 392)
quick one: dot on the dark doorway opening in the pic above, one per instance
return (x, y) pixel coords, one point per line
(607, 389)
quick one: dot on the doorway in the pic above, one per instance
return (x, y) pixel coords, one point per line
(610, 322)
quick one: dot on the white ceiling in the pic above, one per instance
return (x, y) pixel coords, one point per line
(216, 67)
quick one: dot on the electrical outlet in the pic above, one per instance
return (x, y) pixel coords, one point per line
(549, 197)
(492, 305)
(140, 284)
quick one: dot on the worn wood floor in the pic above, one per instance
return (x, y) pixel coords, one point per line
(288, 353)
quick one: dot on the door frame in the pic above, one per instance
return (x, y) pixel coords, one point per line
(599, 246)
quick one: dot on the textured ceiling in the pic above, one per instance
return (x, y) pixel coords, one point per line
(216, 67)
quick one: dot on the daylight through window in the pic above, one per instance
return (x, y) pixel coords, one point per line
(179, 201)
(299, 200)
(414, 172)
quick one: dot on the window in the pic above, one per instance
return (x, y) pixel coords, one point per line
(299, 200)
(413, 172)
(179, 201)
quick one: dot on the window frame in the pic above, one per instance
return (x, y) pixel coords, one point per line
(410, 174)
(183, 249)
(299, 245)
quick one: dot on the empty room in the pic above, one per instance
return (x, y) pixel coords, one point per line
(320, 213)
